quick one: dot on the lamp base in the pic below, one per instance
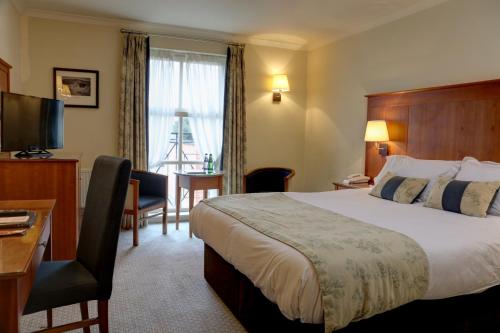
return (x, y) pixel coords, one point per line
(277, 97)
(383, 149)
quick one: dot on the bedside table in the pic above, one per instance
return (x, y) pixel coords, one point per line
(341, 186)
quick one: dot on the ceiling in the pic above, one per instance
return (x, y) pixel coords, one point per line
(308, 23)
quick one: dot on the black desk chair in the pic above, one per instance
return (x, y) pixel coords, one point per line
(90, 276)
(147, 191)
(267, 180)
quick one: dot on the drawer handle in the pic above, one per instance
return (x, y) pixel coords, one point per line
(44, 244)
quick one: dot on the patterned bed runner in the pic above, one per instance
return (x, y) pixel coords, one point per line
(362, 269)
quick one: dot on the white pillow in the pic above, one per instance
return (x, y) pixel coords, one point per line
(473, 170)
(406, 166)
(392, 163)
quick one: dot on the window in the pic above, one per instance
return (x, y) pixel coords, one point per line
(186, 100)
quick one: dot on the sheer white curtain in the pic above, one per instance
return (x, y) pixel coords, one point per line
(190, 82)
(204, 85)
(163, 103)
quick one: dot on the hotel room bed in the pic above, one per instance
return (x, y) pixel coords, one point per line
(271, 286)
(463, 252)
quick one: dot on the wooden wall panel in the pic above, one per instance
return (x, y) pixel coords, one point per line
(47, 179)
(447, 122)
(467, 128)
(432, 136)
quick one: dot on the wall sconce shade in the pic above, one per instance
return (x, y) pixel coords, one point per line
(376, 131)
(280, 84)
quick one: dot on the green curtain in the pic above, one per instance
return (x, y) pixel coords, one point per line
(133, 117)
(132, 143)
(234, 142)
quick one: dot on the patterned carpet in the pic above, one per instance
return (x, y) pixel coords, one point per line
(158, 287)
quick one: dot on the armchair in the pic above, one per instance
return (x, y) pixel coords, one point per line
(147, 191)
(267, 180)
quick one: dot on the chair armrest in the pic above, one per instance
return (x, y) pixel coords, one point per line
(132, 199)
(153, 184)
(287, 178)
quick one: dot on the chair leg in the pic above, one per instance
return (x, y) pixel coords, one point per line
(191, 204)
(84, 309)
(102, 313)
(49, 318)
(164, 220)
(136, 229)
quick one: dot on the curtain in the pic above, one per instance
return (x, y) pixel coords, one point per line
(132, 143)
(189, 82)
(205, 76)
(132, 131)
(234, 146)
(163, 103)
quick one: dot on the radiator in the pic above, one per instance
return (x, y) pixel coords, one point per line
(84, 185)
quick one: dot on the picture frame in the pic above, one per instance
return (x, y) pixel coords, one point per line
(78, 88)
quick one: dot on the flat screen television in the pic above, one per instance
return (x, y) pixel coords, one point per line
(31, 125)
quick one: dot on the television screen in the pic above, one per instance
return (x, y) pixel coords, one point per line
(31, 123)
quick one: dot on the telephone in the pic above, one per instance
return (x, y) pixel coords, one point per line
(357, 178)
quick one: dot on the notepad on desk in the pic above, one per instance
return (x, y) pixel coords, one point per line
(16, 219)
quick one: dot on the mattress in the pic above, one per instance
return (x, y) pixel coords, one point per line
(463, 252)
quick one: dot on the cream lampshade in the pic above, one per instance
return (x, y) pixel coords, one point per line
(376, 131)
(280, 84)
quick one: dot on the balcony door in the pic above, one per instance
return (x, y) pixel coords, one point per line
(186, 100)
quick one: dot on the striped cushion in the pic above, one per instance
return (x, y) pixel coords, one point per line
(463, 197)
(399, 189)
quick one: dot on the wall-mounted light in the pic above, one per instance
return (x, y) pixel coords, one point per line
(376, 131)
(280, 84)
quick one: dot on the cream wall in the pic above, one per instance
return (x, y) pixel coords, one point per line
(275, 132)
(89, 132)
(451, 43)
(10, 41)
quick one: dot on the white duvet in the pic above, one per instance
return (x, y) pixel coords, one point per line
(463, 251)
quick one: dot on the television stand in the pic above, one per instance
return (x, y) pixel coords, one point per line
(42, 153)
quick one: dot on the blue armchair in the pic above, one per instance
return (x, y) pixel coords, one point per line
(267, 180)
(147, 191)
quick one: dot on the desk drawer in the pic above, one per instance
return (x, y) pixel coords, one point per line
(26, 282)
(205, 183)
(43, 244)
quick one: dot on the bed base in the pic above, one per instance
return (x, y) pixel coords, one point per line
(464, 314)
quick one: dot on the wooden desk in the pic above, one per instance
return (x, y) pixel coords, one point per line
(20, 257)
(193, 182)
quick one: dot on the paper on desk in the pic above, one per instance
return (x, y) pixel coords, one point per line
(14, 220)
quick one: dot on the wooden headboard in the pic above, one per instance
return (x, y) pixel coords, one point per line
(447, 123)
(4, 76)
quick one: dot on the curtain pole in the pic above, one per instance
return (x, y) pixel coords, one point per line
(220, 41)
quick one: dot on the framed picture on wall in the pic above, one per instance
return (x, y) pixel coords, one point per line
(78, 88)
